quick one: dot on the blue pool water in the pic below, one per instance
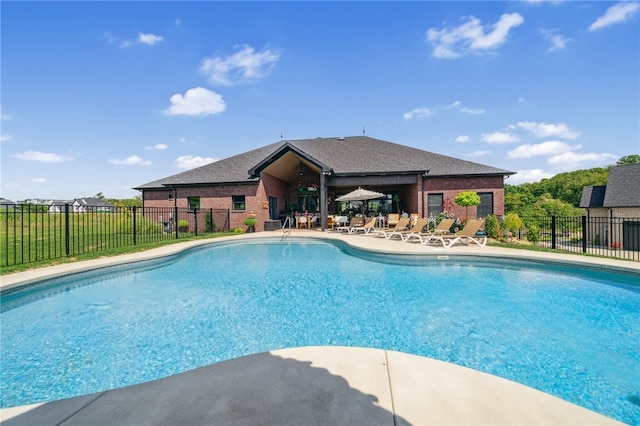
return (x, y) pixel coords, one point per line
(570, 333)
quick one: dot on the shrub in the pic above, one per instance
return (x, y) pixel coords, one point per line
(238, 231)
(492, 227)
(533, 235)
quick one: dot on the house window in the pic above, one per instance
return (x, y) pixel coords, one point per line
(434, 203)
(194, 203)
(238, 202)
(170, 196)
(485, 208)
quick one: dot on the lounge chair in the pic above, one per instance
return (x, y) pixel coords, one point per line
(392, 220)
(441, 229)
(466, 235)
(368, 227)
(402, 225)
(355, 221)
(416, 228)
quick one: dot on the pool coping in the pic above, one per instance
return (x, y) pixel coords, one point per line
(400, 388)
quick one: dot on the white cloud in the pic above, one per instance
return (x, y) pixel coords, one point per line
(149, 39)
(453, 105)
(499, 138)
(544, 148)
(39, 180)
(521, 100)
(616, 14)
(558, 41)
(4, 116)
(478, 153)
(572, 160)
(5, 138)
(44, 157)
(417, 113)
(471, 36)
(157, 147)
(462, 139)
(133, 160)
(473, 110)
(191, 161)
(244, 65)
(197, 102)
(545, 130)
(531, 175)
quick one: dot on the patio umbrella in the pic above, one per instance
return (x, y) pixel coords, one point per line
(361, 195)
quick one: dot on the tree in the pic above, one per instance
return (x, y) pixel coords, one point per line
(99, 196)
(629, 159)
(513, 223)
(466, 199)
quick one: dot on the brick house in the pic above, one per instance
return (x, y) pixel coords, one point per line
(309, 174)
(613, 210)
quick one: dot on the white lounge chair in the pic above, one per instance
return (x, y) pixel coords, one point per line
(466, 235)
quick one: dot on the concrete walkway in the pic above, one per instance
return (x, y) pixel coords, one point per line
(316, 385)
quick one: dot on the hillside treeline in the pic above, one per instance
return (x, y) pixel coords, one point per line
(559, 195)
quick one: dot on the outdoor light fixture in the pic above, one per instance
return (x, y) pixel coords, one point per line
(301, 172)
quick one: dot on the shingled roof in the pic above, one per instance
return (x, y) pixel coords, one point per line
(623, 186)
(344, 156)
(592, 196)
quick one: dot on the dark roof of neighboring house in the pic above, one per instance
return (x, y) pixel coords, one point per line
(592, 196)
(623, 186)
(622, 189)
(93, 202)
(343, 156)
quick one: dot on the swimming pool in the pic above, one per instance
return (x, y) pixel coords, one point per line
(567, 332)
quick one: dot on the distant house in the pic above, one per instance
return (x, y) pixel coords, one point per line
(57, 206)
(8, 204)
(613, 210)
(308, 175)
(81, 205)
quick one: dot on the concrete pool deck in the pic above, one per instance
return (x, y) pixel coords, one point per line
(317, 385)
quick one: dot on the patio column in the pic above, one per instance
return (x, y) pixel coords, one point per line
(323, 200)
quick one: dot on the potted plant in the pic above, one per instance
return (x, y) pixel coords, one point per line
(251, 223)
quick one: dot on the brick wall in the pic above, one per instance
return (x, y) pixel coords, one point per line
(256, 200)
(451, 187)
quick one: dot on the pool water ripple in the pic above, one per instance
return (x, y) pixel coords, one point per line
(570, 334)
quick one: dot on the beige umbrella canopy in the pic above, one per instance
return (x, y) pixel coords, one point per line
(361, 195)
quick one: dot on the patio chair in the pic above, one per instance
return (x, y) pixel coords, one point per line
(416, 228)
(355, 221)
(392, 220)
(368, 227)
(302, 222)
(441, 229)
(402, 225)
(466, 236)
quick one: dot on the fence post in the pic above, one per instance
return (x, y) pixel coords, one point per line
(175, 215)
(66, 230)
(135, 239)
(553, 232)
(584, 233)
(195, 220)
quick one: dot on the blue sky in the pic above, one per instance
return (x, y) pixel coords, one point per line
(105, 96)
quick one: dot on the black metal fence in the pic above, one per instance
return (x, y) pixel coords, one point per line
(31, 233)
(617, 237)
